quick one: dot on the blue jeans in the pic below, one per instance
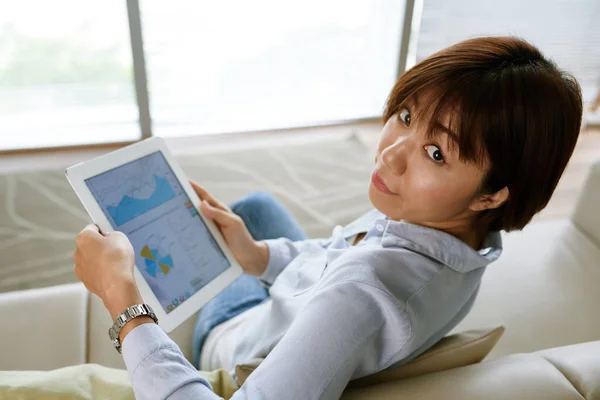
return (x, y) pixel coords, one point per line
(265, 218)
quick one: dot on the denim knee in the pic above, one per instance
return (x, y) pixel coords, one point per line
(261, 198)
(257, 201)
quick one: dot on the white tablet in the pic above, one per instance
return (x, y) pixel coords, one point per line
(182, 260)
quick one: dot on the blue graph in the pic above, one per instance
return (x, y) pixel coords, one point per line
(130, 207)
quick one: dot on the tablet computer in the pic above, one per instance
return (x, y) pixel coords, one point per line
(182, 260)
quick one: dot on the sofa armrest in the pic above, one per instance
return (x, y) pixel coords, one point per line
(587, 211)
(43, 329)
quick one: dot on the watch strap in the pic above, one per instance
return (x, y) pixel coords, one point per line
(137, 310)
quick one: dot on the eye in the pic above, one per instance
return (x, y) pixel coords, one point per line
(434, 153)
(404, 116)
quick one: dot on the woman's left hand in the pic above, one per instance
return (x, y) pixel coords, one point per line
(104, 263)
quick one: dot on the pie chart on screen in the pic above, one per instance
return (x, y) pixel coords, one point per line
(156, 263)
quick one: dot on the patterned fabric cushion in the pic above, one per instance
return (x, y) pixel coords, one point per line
(323, 183)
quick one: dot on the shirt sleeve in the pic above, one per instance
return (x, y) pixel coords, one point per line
(338, 329)
(157, 368)
(281, 252)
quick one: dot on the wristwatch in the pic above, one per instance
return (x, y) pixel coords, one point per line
(130, 313)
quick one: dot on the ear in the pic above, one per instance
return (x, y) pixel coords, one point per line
(491, 200)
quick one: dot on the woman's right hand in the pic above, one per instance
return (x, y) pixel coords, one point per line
(253, 256)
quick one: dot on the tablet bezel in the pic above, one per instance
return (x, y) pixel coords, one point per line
(77, 174)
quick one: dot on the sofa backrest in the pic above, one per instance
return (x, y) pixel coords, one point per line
(587, 211)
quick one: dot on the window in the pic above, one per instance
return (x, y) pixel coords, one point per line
(65, 74)
(566, 31)
(252, 65)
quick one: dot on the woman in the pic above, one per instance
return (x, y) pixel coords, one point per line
(475, 140)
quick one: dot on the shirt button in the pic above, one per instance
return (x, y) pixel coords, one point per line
(486, 251)
(379, 228)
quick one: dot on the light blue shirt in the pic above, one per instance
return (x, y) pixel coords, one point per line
(336, 312)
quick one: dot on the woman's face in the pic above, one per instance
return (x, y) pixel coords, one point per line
(429, 185)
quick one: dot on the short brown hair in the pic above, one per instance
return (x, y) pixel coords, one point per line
(514, 107)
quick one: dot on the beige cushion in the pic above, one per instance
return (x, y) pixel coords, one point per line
(453, 351)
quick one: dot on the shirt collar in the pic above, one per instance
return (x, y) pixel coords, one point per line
(430, 242)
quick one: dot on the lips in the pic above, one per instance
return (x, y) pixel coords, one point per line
(378, 183)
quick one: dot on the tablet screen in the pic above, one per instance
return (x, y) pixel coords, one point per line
(174, 250)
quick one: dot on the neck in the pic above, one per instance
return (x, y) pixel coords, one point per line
(466, 231)
(473, 239)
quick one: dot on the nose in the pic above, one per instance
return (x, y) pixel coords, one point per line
(395, 155)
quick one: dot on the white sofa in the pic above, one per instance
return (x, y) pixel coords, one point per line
(545, 290)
